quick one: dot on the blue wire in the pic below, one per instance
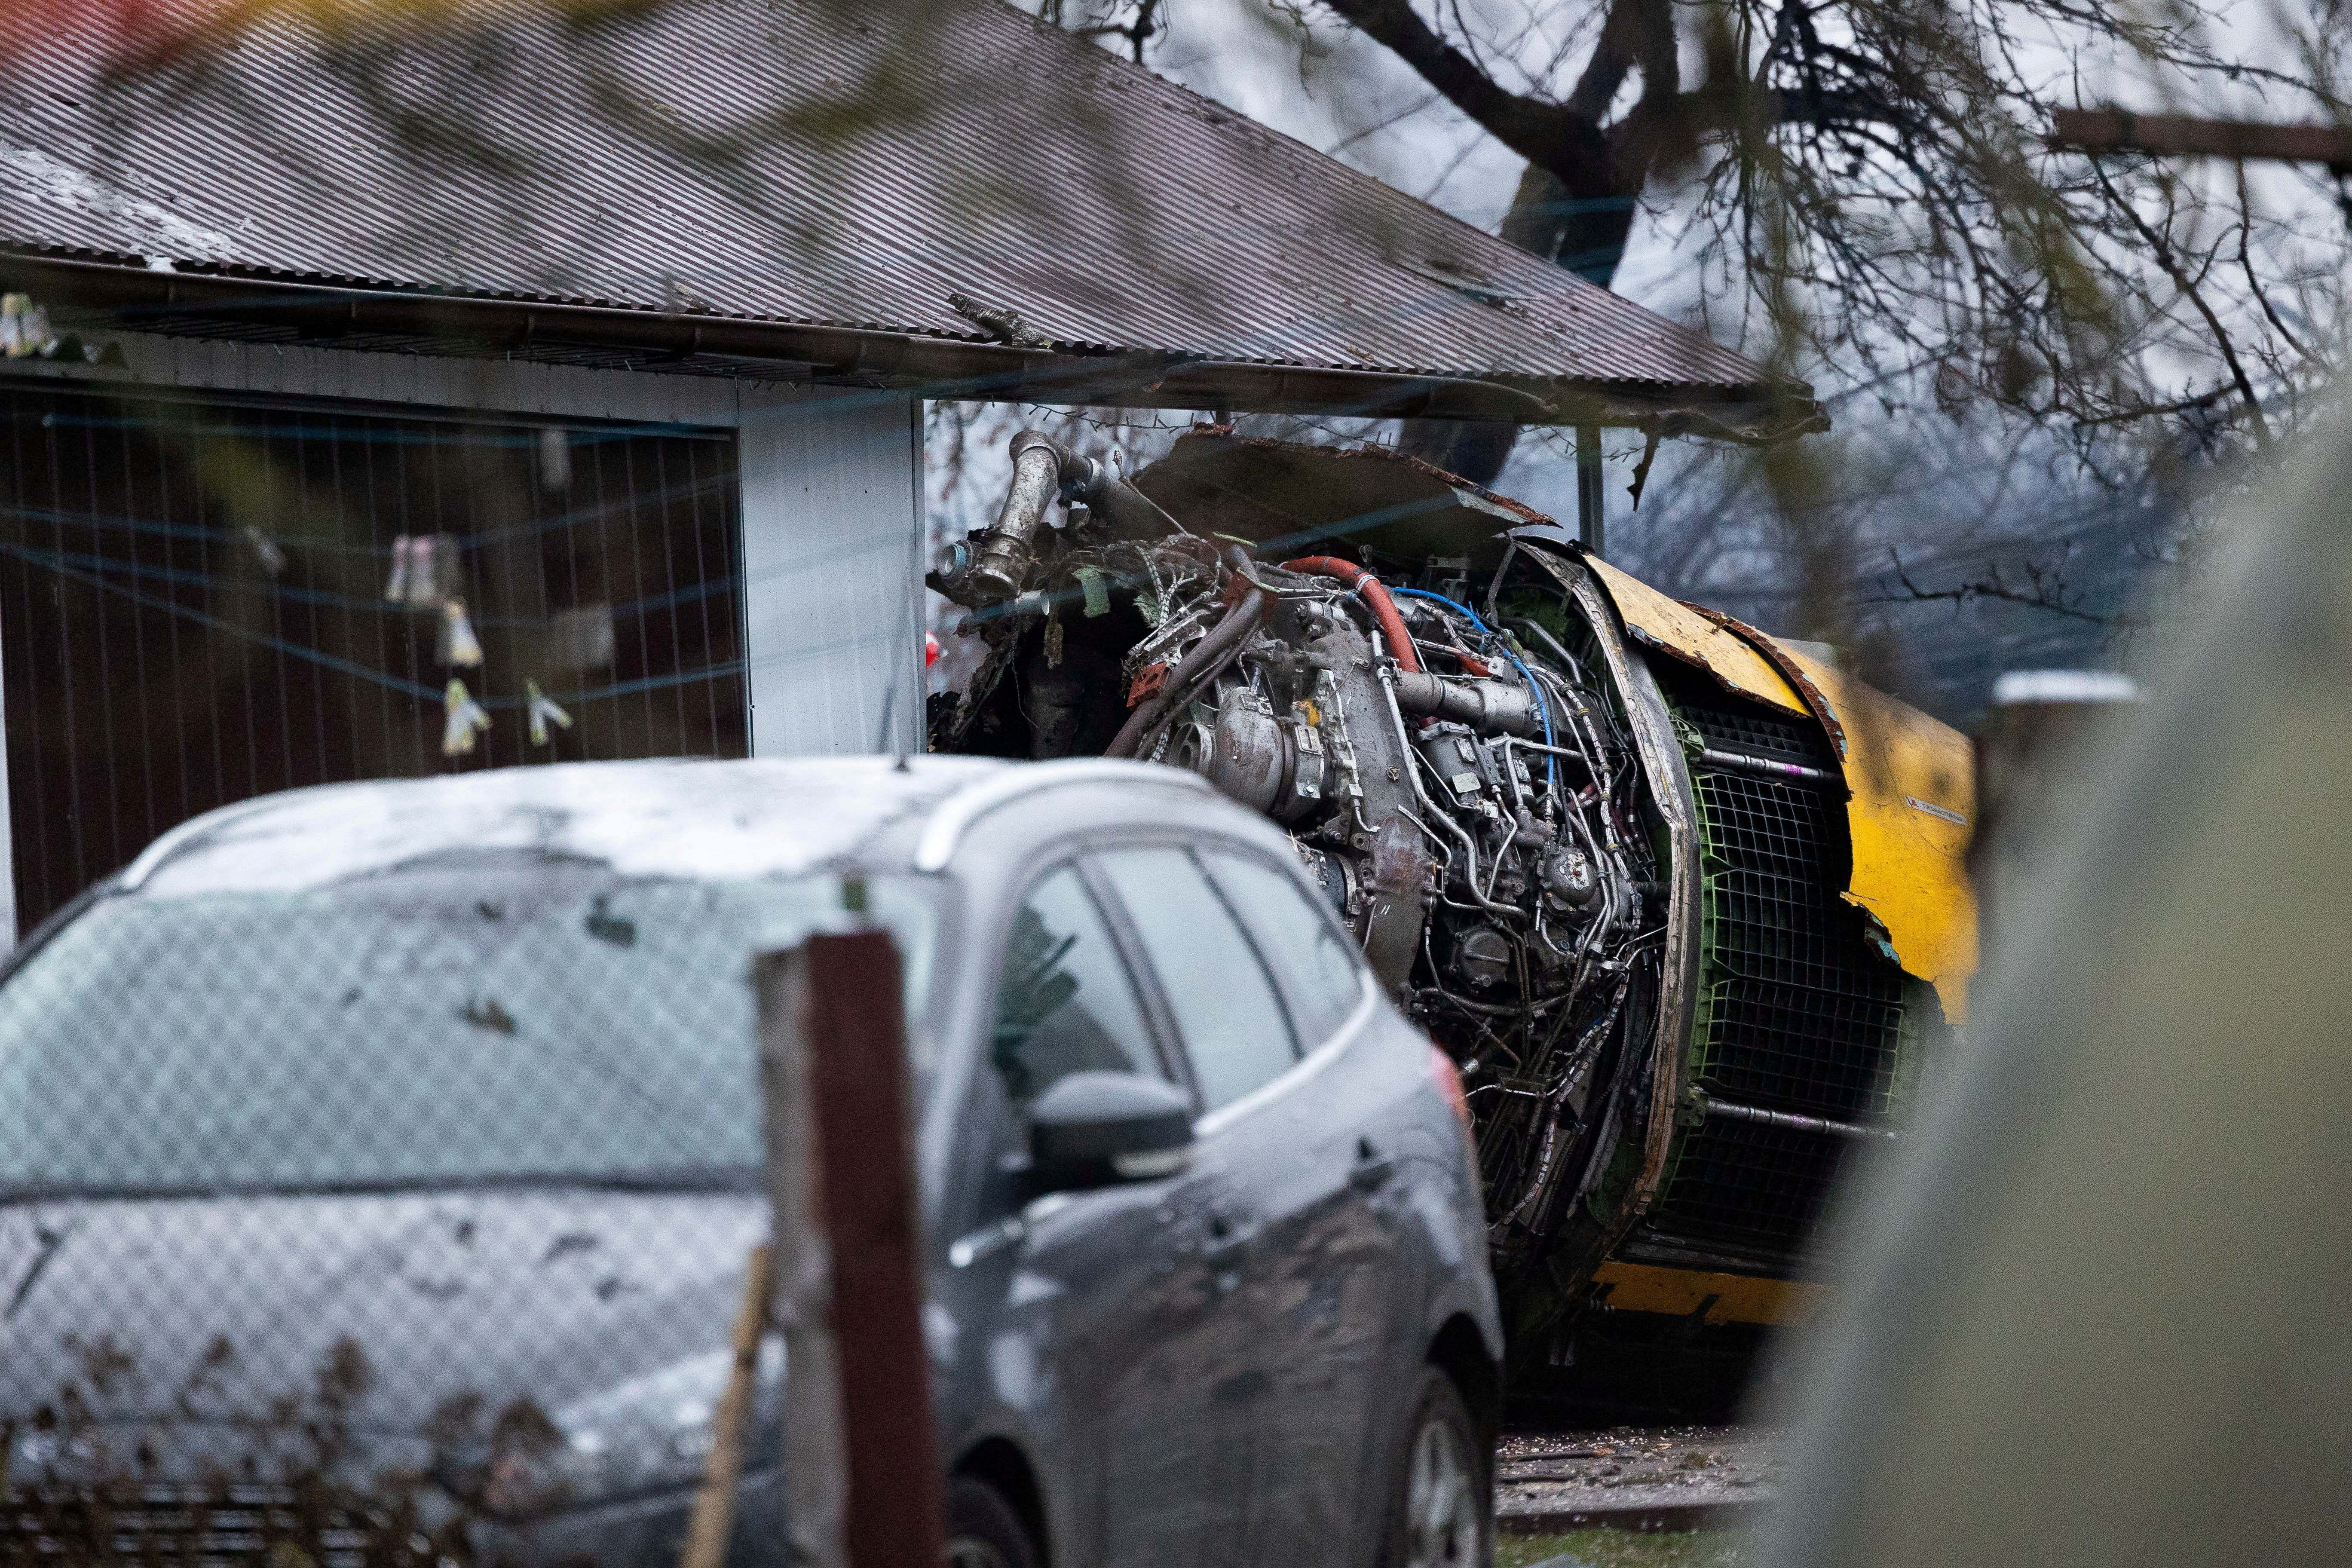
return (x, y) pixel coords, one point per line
(1543, 709)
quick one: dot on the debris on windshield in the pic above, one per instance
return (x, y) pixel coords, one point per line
(610, 928)
(487, 1013)
(570, 1242)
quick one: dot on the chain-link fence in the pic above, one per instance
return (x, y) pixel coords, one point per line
(407, 1221)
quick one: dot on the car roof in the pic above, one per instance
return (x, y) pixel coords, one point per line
(653, 818)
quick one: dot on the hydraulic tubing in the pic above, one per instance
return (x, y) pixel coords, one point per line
(1385, 609)
(1543, 709)
(1210, 656)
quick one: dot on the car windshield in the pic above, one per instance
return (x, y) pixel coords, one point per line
(473, 1020)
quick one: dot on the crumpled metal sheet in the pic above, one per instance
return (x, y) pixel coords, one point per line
(796, 160)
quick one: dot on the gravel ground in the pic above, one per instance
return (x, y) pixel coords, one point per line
(1683, 1475)
(1623, 1549)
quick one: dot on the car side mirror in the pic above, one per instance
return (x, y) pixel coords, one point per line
(1095, 1128)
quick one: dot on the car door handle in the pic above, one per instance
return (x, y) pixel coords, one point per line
(1372, 1170)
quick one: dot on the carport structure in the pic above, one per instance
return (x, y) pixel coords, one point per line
(631, 312)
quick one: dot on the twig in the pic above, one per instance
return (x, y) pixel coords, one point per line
(2047, 592)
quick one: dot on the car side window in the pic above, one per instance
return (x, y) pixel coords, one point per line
(1065, 1000)
(1236, 1031)
(1319, 970)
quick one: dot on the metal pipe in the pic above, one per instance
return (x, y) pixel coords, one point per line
(1001, 563)
(1740, 762)
(1374, 594)
(1576, 664)
(1709, 1109)
(1413, 761)
(1592, 499)
(1116, 501)
(1520, 743)
(1489, 706)
(1543, 709)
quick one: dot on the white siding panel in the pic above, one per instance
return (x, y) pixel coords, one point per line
(506, 386)
(832, 551)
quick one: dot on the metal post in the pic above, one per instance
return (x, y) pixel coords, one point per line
(2038, 723)
(850, 1277)
(1591, 520)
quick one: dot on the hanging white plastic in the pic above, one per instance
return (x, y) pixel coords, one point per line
(465, 717)
(459, 645)
(24, 327)
(273, 558)
(424, 571)
(395, 587)
(544, 711)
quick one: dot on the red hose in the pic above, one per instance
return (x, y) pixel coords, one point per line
(1385, 609)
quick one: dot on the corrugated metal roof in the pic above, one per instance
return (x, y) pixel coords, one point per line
(810, 161)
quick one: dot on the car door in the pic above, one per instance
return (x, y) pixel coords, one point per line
(1117, 1309)
(1241, 1045)
(1332, 1267)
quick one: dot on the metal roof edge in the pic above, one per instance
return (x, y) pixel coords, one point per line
(188, 301)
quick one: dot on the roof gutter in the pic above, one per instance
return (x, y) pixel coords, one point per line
(133, 296)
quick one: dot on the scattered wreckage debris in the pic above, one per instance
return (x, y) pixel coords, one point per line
(1685, 902)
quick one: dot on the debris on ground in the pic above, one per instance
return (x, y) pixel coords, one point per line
(1634, 1479)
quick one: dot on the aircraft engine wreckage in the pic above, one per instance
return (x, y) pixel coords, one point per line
(1685, 902)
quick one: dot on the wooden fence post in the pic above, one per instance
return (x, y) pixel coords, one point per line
(862, 1480)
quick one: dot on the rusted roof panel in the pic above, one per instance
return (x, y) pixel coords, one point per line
(810, 161)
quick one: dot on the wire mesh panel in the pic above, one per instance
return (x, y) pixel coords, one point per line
(402, 1219)
(1796, 1012)
(202, 602)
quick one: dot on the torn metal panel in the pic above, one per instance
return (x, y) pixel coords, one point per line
(1914, 805)
(1683, 633)
(1646, 714)
(1781, 655)
(1281, 496)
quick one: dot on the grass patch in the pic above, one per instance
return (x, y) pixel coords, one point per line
(1624, 1549)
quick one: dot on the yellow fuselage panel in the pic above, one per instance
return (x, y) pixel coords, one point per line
(1725, 1297)
(1683, 631)
(1914, 805)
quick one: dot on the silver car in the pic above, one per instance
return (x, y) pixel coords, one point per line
(379, 1164)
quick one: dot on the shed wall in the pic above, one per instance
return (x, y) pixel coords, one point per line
(832, 573)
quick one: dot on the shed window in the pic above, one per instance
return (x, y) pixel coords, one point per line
(204, 601)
